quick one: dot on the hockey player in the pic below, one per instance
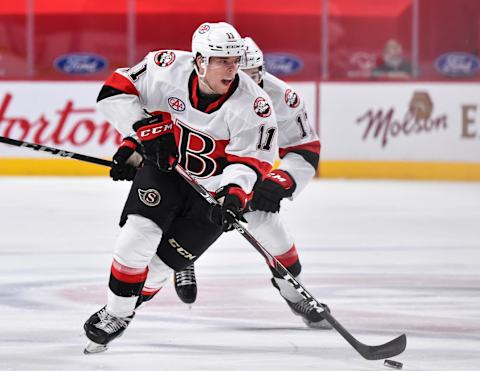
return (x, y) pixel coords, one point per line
(196, 109)
(299, 151)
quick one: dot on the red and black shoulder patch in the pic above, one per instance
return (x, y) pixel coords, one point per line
(291, 98)
(261, 107)
(164, 58)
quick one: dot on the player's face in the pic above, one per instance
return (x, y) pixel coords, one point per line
(254, 73)
(220, 73)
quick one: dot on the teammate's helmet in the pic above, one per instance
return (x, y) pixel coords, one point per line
(254, 60)
(254, 54)
(218, 40)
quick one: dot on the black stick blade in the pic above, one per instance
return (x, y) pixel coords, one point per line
(391, 349)
(387, 350)
(370, 352)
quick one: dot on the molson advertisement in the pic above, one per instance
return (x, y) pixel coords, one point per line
(400, 130)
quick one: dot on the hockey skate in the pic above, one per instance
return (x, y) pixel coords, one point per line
(186, 285)
(101, 328)
(310, 316)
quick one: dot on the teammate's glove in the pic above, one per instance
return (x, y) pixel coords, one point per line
(126, 160)
(232, 201)
(267, 195)
(156, 135)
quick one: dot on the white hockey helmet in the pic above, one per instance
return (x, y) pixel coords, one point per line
(254, 54)
(254, 60)
(218, 40)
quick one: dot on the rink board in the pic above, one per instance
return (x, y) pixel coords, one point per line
(400, 130)
(399, 170)
(366, 129)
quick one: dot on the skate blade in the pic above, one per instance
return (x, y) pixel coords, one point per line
(93, 348)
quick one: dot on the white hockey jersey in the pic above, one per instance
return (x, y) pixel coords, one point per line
(298, 141)
(233, 140)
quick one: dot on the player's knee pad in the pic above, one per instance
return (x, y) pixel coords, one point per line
(137, 242)
(158, 273)
(269, 230)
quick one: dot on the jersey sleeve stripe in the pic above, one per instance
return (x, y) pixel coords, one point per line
(311, 147)
(309, 151)
(262, 168)
(107, 92)
(121, 83)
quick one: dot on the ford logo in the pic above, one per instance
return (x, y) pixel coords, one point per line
(80, 63)
(457, 64)
(281, 64)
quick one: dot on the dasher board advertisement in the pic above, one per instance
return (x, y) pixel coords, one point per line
(63, 115)
(429, 131)
(55, 114)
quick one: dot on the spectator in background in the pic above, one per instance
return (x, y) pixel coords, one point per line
(394, 64)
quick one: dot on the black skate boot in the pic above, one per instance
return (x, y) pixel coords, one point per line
(186, 285)
(101, 328)
(311, 317)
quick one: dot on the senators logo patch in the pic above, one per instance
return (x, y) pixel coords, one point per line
(176, 104)
(164, 58)
(261, 107)
(203, 28)
(291, 98)
(150, 197)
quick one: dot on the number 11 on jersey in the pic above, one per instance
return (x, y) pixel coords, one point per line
(265, 138)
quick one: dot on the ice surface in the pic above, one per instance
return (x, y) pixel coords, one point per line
(387, 257)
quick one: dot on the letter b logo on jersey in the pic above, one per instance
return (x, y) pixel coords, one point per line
(195, 149)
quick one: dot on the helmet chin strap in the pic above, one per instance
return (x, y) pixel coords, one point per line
(205, 87)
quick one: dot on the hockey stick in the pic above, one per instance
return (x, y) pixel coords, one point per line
(55, 151)
(370, 352)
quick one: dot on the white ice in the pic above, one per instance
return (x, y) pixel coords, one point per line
(388, 258)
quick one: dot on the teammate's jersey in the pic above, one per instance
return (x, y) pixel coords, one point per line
(233, 140)
(298, 141)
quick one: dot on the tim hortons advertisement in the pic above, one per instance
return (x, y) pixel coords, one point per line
(400, 122)
(61, 115)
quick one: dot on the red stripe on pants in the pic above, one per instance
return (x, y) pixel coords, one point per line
(128, 274)
(147, 291)
(289, 258)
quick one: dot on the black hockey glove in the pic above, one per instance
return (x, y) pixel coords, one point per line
(126, 160)
(158, 140)
(232, 201)
(267, 195)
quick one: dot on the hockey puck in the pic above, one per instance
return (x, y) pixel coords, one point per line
(393, 364)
